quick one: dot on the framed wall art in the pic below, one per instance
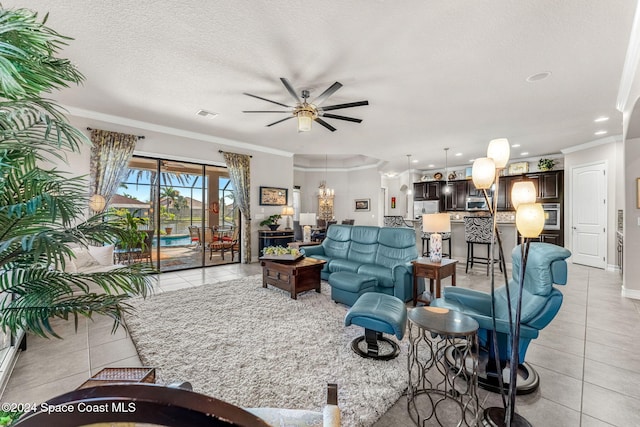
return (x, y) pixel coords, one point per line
(362, 205)
(273, 196)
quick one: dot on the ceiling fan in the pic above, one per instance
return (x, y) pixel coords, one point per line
(307, 112)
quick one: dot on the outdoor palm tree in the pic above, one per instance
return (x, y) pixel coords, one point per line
(42, 210)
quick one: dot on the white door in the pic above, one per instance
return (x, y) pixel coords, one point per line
(589, 214)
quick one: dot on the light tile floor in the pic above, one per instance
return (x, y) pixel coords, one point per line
(588, 357)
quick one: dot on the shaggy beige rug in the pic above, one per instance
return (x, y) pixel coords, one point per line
(256, 347)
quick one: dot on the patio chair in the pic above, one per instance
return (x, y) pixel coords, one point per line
(147, 247)
(194, 233)
(226, 243)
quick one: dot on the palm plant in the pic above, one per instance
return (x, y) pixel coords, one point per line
(42, 209)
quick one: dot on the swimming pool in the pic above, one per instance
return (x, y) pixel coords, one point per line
(173, 240)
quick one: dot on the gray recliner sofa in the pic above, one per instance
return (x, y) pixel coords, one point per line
(384, 253)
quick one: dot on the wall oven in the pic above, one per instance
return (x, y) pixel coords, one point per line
(551, 216)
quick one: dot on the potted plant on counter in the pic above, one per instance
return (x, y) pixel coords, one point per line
(271, 222)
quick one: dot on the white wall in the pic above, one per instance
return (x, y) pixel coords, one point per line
(611, 154)
(631, 277)
(348, 185)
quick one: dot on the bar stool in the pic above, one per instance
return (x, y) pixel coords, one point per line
(477, 231)
(446, 237)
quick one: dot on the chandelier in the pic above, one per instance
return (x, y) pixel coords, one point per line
(323, 192)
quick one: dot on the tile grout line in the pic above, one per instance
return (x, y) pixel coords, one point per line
(88, 347)
(584, 346)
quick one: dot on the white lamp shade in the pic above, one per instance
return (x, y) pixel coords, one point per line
(483, 172)
(499, 150)
(523, 192)
(97, 203)
(287, 210)
(305, 118)
(307, 219)
(436, 223)
(530, 219)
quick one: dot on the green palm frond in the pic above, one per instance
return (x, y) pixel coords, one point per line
(40, 294)
(36, 123)
(28, 65)
(42, 210)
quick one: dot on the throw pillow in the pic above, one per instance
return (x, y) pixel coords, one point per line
(102, 254)
(84, 258)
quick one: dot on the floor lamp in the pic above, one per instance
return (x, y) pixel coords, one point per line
(485, 174)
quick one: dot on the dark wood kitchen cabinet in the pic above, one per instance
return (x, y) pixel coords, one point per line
(549, 185)
(455, 198)
(426, 190)
(418, 190)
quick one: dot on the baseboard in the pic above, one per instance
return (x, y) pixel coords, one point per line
(613, 267)
(9, 362)
(631, 293)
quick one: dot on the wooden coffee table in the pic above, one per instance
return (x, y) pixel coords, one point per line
(294, 277)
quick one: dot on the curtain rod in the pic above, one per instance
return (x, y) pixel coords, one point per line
(139, 136)
(221, 151)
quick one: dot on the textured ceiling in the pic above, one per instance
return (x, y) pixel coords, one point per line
(436, 73)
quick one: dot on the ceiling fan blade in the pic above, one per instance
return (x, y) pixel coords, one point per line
(325, 124)
(327, 93)
(347, 105)
(349, 119)
(266, 111)
(275, 123)
(268, 100)
(290, 89)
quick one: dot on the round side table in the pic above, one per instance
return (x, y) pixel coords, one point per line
(443, 367)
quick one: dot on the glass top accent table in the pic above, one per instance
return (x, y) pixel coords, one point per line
(443, 367)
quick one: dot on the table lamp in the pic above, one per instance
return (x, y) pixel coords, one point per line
(306, 221)
(287, 212)
(436, 224)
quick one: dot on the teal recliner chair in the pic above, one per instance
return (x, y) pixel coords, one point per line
(541, 302)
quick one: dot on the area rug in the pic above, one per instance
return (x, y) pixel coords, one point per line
(256, 347)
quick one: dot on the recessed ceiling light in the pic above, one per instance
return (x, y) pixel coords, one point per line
(601, 119)
(431, 166)
(524, 153)
(538, 76)
(515, 145)
(207, 114)
(415, 161)
(458, 154)
(600, 132)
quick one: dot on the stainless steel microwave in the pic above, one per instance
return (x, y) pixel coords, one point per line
(477, 204)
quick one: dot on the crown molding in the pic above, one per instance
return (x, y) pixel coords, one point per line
(123, 121)
(592, 144)
(335, 169)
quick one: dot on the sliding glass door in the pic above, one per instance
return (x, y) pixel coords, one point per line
(188, 210)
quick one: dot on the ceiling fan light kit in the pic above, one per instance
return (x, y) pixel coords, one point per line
(308, 112)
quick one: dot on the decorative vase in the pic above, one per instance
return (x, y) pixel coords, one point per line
(273, 227)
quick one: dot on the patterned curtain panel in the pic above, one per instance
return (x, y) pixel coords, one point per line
(110, 155)
(239, 166)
